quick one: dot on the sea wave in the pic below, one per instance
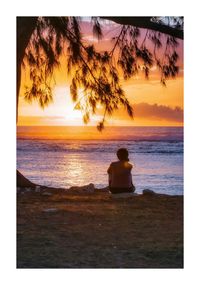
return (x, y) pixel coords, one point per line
(159, 147)
(169, 134)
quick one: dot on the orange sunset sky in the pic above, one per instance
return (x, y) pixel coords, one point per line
(153, 104)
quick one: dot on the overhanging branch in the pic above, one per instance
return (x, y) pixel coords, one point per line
(146, 23)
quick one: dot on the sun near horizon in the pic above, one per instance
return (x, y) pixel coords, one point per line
(153, 105)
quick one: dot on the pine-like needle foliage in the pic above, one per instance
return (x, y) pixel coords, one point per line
(96, 74)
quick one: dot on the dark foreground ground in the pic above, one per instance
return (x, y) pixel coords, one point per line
(64, 230)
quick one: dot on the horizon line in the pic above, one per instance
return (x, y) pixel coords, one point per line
(95, 126)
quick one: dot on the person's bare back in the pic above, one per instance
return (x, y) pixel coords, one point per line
(120, 178)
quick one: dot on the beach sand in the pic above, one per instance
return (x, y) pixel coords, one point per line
(60, 229)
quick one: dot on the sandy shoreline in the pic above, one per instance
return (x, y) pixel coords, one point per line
(63, 229)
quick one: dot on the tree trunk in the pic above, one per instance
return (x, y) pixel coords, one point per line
(25, 28)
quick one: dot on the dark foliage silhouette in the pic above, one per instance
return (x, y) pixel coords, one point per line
(95, 75)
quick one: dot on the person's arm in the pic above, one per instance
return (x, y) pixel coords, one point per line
(133, 186)
(109, 174)
(109, 169)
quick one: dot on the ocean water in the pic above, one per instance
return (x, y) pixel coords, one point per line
(54, 156)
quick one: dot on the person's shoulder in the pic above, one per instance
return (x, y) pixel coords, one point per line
(129, 165)
(114, 163)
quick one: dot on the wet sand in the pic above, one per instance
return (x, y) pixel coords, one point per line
(57, 229)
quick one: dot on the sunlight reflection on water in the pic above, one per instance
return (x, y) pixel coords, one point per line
(65, 163)
(161, 173)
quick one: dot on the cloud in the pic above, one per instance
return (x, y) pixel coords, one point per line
(93, 39)
(143, 112)
(155, 111)
(150, 112)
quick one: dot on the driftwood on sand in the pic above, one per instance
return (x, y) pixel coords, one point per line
(22, 181)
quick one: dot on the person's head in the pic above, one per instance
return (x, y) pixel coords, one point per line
(122, 154)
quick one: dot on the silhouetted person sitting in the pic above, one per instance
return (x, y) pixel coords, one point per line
(120, 178)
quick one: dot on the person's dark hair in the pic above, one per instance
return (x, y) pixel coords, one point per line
(122, 154)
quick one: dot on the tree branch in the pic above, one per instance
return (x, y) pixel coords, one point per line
(146, 23)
